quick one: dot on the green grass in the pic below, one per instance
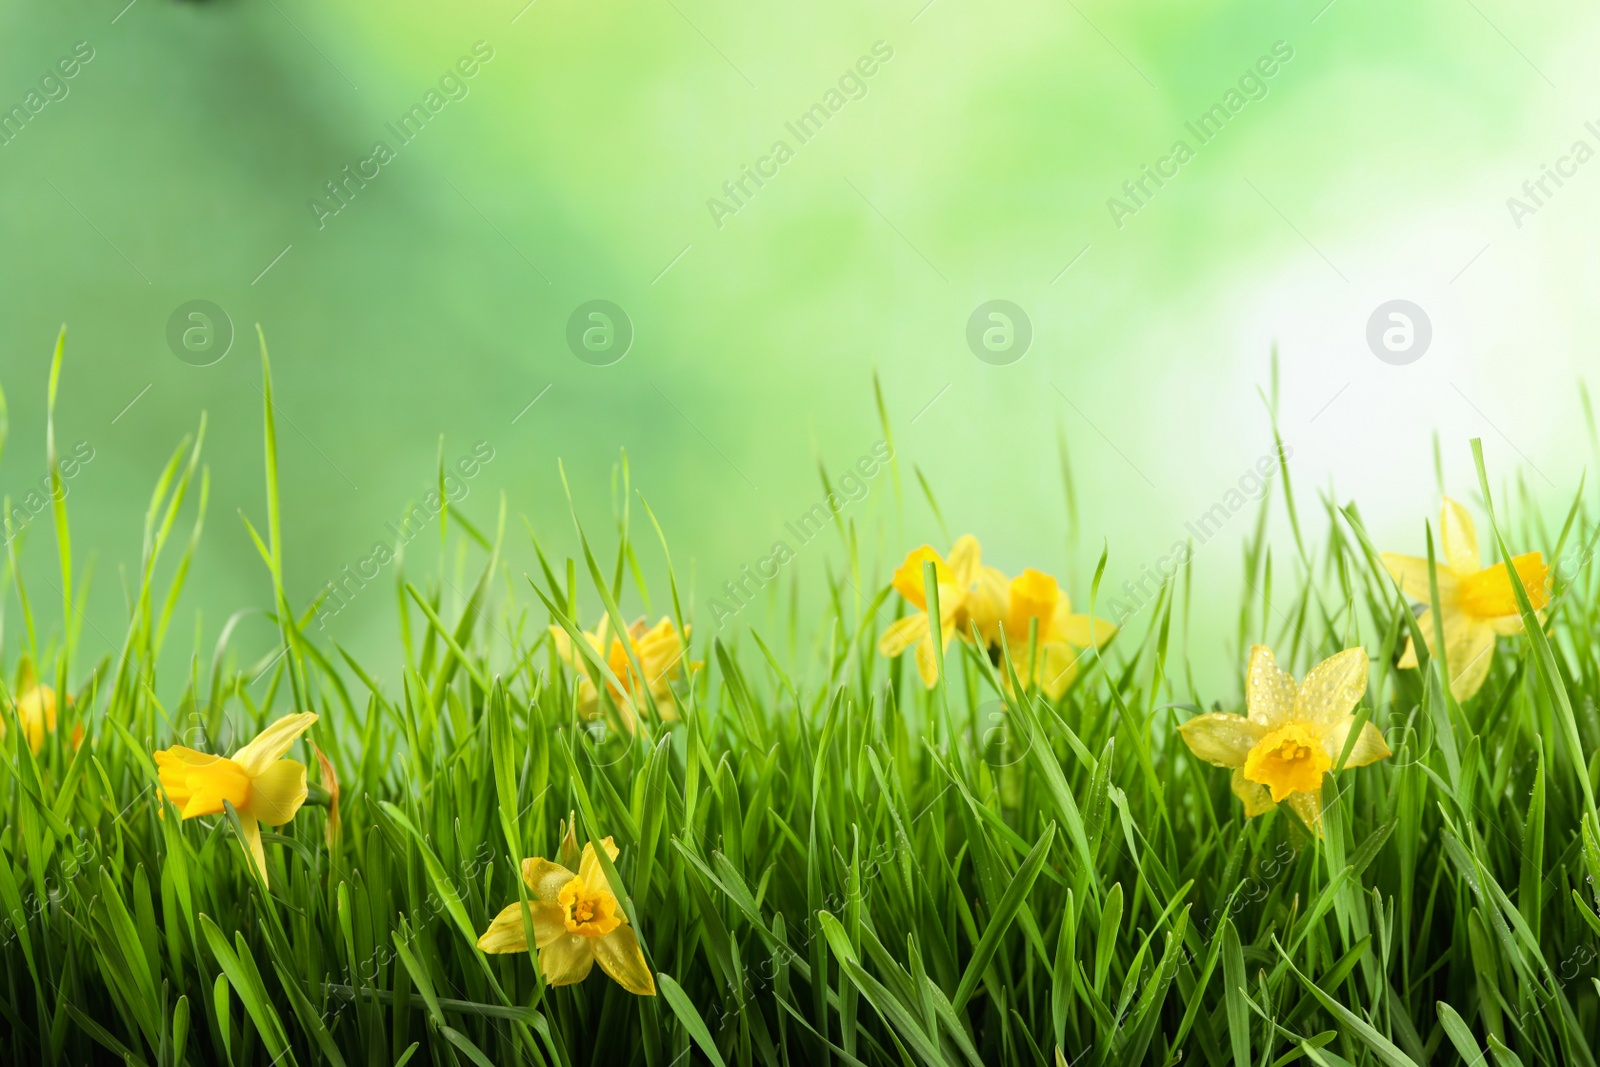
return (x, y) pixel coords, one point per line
(825, 862)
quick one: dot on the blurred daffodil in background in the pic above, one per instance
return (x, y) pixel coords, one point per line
(36, 710)
(659, 651)
(1289, 736)
(1046, 638)
(261, 786)
(577, 922)
(1478, 603)
(970, 596)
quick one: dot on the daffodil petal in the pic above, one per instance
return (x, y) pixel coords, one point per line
(589, 866)
(927, 663)
(252, 839)
(908, 577)
(1408, 656)
(1469, 652)
(620, 956)
(965, 558)
(1269, 693)
(545, 879)
(1458, 538)
(562, 642)
(277, 793)
(987, 604)
(1058, 666)
(36, 707)
(1084, 631)
(567, 959)
(1369, 747)
(1309, 807)
(1257, 798)
(506, 934)
(903, 633)
(1511, 625)
(1221, 739)
(1333, 687)
(1412, 574)
(273, 742)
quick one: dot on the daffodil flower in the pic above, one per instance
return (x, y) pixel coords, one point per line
(1035, 598)
(1478, 603)
(660, 652)
(970, 594)
(1290, 736)
(36, 709)
(261, 786)
(576, 921)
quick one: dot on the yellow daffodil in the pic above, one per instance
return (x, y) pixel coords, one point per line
(576, 922)
(660, 652)
(36, 709)
(970, 594)
(261, 786)
(1036, 598)
(1289, 736)
(1478, 603)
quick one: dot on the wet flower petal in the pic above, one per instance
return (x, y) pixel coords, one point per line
(1224, 740)
(1369, 747)
(1333, 687)
(620, 957)
(1269, 693)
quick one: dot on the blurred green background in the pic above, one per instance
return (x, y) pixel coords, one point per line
(975, 163)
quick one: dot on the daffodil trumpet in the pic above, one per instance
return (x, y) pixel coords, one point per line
(1290, 736)
(1477, 604)
(256, 782)
(1046, 638)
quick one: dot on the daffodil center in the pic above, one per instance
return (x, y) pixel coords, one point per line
(588, 912)
(1290, 759)
(1488, 594)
